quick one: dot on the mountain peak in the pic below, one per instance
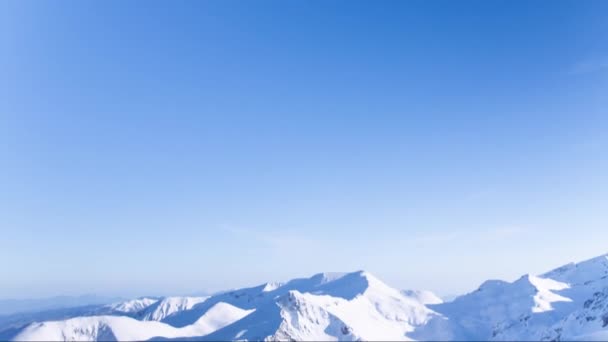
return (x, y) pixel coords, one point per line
(423, 296)
(133, 305)
(168, 306)
(578, 273)
(271, 286)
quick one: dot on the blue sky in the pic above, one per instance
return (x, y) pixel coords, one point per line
(172, 147)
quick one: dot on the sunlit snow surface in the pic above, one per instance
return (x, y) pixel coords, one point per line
(568, 303)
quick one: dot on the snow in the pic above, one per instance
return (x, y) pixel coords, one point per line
(354, 306)
(110, 328)
(544, 295)
(217, 317)
(568, 303)
(582, 272)
(122, 328)
(423, 296)
(168, 306)
(271, 286)
(131, 306)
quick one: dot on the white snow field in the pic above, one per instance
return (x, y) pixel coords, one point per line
(168, 306)
(568, 303)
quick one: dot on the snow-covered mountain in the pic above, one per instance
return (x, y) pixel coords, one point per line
(354, 306)
(568, 303)
(131, 306)
(165, 307)
(423, 296)
(123, 328)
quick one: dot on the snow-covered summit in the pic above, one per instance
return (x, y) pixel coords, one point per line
(133, 305)
(583, 272)
(271, 286)
(168, 306)
(340, 285)
(423, 296)
(351, 306)
(530, 308)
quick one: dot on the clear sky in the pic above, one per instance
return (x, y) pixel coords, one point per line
(170, 147)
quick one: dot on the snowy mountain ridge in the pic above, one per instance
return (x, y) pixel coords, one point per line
(567, 303)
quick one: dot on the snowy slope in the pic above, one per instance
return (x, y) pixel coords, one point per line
(167, 307)
(251, 298)
(582, 312)
(422, 296)
(568, 303)
(93, 328)
(123, 328)
(131, 306)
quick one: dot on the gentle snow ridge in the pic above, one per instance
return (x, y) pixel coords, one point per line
(168, 306)
(121, 328)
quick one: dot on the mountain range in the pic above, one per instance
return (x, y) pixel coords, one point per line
(567, 303)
